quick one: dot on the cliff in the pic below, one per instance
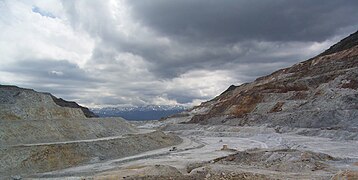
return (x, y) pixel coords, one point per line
(26, 104)
(318, 93)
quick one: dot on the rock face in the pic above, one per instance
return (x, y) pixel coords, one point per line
(63, 103)
(44, 131)
(284, 160)
(27, 159)
(40, 133)
(321, 92)
(26, 104)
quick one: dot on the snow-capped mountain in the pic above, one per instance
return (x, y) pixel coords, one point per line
(149, 112)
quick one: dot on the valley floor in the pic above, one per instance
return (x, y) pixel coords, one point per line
(199, 156)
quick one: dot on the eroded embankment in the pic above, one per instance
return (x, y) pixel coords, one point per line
(20, 160)
(45, 131)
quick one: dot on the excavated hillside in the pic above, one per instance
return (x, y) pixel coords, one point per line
(26, 104)
(27, 116)
(321, 92)
(29, 159)
(41, 133)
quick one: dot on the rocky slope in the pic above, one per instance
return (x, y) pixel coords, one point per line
(45, 131)
(321, 92)
(63, 103)
(26, 104)
(40, 133)
(28, 159)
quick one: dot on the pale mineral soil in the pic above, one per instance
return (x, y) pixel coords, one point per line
(193, 158)
(26, 159)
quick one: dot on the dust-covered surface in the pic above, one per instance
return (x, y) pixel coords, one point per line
(46, 131)
(41, 133)
(35, 158)
(283, 160)
(350, 175)
(252, 153)
(26, 104)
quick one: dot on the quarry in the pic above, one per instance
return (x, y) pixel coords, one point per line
(299, 122)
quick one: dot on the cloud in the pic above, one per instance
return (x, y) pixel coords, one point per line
(236, 20)
(60, 77)
(123, 52)
(42, 12)
(29, 35)
(57, 73)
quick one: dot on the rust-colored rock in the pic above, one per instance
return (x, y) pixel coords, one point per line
(277, 107)
(319, 92)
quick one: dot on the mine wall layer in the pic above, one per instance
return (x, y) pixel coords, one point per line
(18, 160)
(44, 131)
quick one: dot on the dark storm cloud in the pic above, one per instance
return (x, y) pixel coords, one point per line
(59, 77)
(235, 20)
(164, 51)
(49, 71)
(246, 39)
(228, 57)
(203, 33)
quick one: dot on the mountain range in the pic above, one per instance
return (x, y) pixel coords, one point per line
(148, 112)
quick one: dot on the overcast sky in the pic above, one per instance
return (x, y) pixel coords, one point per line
(163, 52)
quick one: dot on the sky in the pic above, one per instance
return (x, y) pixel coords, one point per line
(160, 52)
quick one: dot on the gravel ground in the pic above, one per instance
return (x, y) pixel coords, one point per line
(24, 160)
(284, 156)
